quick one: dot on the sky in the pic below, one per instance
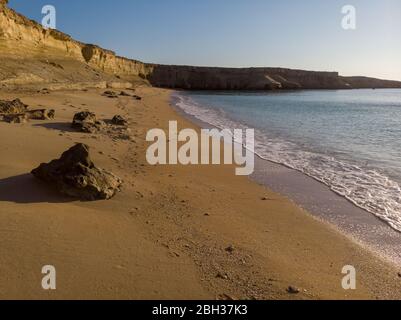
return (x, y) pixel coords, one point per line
(305, 34)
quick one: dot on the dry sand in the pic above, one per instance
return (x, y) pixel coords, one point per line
(165, 235)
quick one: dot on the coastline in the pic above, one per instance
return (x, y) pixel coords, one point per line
(165, 235)
(358, 224)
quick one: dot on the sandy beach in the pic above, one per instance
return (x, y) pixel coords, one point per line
(173, 232)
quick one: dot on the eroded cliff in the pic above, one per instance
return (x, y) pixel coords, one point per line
(32, 55)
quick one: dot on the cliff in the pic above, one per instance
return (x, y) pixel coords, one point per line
(204, 78)
(31, 55)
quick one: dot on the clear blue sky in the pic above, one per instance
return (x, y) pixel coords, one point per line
(303, 34)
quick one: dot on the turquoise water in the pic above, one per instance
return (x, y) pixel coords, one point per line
(348, 139)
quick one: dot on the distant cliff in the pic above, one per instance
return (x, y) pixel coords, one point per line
(204, 78)
(31, 54)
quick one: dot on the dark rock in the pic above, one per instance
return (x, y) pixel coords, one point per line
(84, 116)
(124, 94)
(119, 121)
(110, 94)
(87, 122)
(15, 118)
(230, 249)
(12, 107)
(223, 276)
(137, 97)
(293, 290)
(226, 297)
(75, 175)
(44, 91)
(41, 114)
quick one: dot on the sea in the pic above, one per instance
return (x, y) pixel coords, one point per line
(349, 140)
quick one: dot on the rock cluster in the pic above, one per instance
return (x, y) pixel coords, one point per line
(116, 128)
(75, 175)
(16, 111)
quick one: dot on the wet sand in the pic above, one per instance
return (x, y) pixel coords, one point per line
(315, 197)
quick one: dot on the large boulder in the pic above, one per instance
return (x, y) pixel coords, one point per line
(87, 122)
(12, 107)
(75, 175)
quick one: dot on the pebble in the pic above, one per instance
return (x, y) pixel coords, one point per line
(292, 290)
(222, 276)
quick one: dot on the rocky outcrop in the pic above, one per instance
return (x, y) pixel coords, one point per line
(75, 175)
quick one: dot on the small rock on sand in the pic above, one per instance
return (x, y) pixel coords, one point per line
(110, 94)
(119, 121)
(293, 290)
(87, 122)
(223, 276)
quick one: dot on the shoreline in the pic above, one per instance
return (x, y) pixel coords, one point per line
(355, 222)
(165, 236)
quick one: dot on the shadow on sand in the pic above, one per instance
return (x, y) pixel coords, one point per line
(27, 189)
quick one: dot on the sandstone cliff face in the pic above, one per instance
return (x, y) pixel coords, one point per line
(108, 61)
(31, 54)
